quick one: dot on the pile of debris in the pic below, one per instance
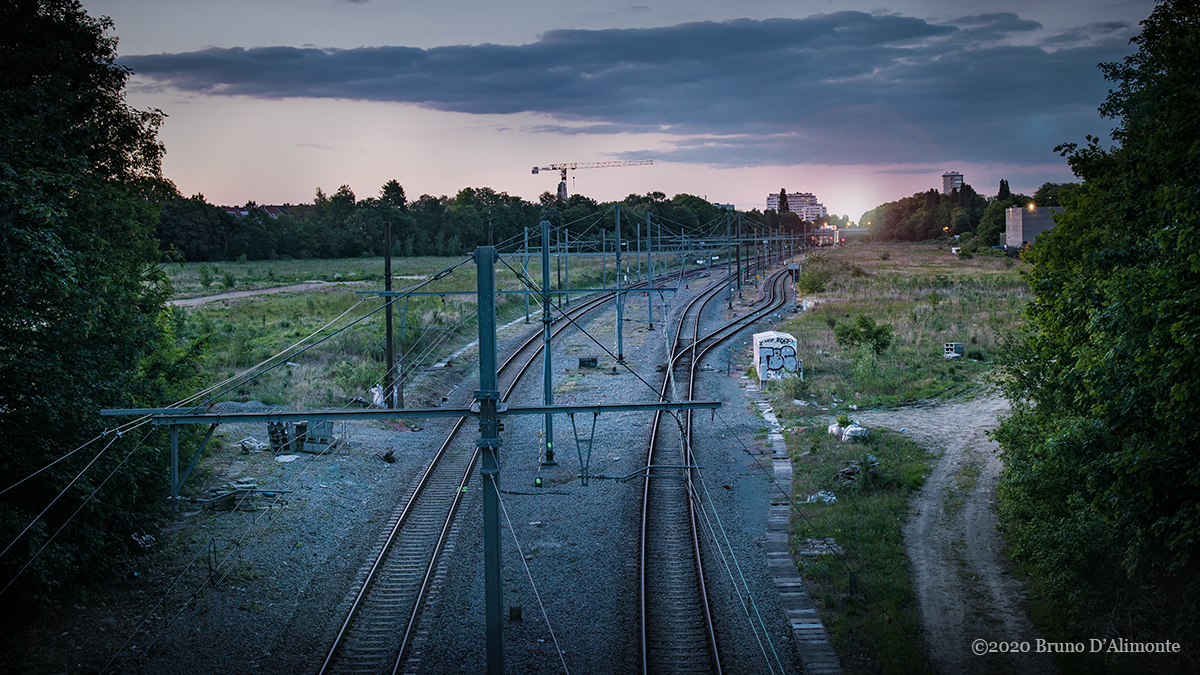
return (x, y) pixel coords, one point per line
(243, 494)
(849, 474)
(816, 547)
(850, 432)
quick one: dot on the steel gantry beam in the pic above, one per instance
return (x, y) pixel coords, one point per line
(487, 408)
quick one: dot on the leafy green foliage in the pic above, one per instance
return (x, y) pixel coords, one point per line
(866, 522)
(864, 331)
(927, 215)
(83, 323)
(1103, 448)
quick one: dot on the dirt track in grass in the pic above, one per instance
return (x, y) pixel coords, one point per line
(963, 582)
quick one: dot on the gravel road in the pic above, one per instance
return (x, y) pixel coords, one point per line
(963, 581)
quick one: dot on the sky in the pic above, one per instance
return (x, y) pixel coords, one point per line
(859, 103)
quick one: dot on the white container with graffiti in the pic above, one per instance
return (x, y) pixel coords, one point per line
(775, 355)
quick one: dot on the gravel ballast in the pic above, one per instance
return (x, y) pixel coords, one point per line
(285, 573)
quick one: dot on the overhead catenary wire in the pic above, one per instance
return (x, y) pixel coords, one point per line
(845, 565)
(72, 516)
(562, 659)
(741, 575)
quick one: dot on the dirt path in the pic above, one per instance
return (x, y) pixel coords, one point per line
(963, 584)
(306, 286)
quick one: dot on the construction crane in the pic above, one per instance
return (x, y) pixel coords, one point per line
(562, 186)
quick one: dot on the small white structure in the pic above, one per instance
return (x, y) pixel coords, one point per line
(775, 355)
(952, 350)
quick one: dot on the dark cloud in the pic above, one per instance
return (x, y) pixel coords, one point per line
(847, 87)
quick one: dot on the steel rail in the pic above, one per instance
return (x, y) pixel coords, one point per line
(696, 309)
(361, 596)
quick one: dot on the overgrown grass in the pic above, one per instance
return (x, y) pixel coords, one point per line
(929, 297)
(240, 333)
(865, 521)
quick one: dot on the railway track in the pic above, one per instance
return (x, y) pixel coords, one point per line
(677, 629)
(382, 620)
(383, 617)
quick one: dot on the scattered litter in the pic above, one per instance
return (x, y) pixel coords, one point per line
(252, 444)
(287, 458)
(854, 431)
(800, 403)
(293, 364)
(823, 496)
(853, 407)
(389, 456)
(848, 474)
(835, 430)
(816, 547)
(241, 495)
(727, 487)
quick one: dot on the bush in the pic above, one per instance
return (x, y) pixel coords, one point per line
(864, 331)
(813, 279)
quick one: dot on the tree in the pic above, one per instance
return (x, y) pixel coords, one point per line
(783, 202)
(1004, 192)
(864, 331)
(1101, 490)
(83, 321)
(392, 194)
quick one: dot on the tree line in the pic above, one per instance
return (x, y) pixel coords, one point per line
(342, 225)
(931, 214)
(1100, 495)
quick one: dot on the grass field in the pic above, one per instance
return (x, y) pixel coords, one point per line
(865, 522)
(928, 296)
(240, 333)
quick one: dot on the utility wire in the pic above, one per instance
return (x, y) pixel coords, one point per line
(72, 516)
(846, 566)
(528, 574)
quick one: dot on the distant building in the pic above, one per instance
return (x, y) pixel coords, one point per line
(271, 210)
(951, 180)
(803, 204)
(1022, 225)
(731, 207)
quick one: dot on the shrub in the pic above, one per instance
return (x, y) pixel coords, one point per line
(813, 279)
(864, 331)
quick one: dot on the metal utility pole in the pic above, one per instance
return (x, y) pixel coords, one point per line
(547, 384)
(390, 380)
(603, 263)
(729, 261)
(566, 298)
(650, 279)
(526, 270)
(620, 296)
(638, 225)
(739, 256)
(488, 398)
